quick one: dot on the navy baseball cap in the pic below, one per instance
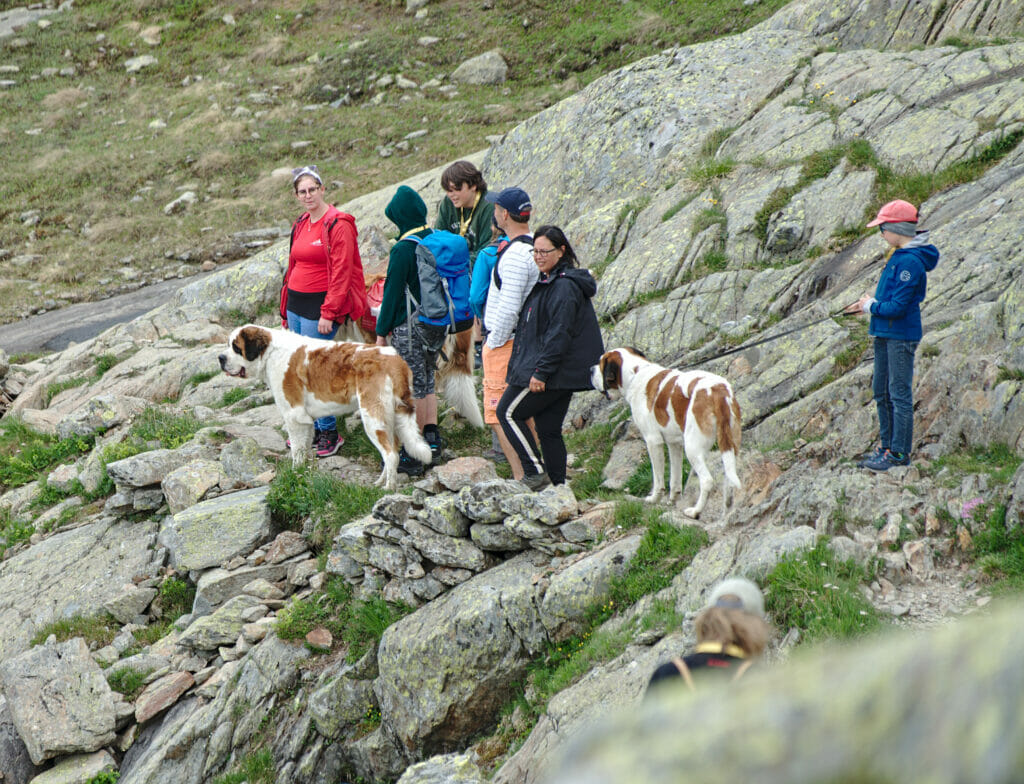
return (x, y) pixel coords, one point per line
(515, 200)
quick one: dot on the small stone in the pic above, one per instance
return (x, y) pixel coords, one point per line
(320, 638)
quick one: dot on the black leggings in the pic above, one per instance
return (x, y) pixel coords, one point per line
(548, 410)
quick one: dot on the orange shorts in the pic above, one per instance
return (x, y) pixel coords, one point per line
(495, 370)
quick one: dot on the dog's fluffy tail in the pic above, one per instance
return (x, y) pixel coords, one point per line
(408, 431)
(456, 378)
(729, 433)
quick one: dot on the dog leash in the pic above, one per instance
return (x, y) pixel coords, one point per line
(768, 339)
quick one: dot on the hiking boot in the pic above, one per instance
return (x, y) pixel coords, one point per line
(536, 481)
(887, 460)
(876, 453)
(409, 465)
(432, 435)
(329, 443)
(316, 437)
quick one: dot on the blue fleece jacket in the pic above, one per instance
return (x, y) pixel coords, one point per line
(483, 268)
(896, 312)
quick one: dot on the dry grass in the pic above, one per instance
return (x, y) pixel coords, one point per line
(65, 98)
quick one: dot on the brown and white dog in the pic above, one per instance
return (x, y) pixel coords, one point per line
(687, 410)
(311, 378)
(454, 377)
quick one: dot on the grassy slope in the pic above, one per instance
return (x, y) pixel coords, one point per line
(81, 150)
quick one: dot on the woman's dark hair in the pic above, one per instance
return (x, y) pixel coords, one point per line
(557, 238)
(463, 173)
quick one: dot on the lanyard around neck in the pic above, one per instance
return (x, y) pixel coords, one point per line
(464, 223)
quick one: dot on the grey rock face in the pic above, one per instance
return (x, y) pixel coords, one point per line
(217, 530)
(221, 628)
(339, 703)
(442, 514)
(150, 468)
(216, 586)
(77, 769)
(243, 459)
(551, 506)
(72, 573)
(131, 603)
(59, 700)
(100, 413)
(14, 760)
(574, 590)
(444, 769)
(195, 742)
(877, 23)
(186, 485)
(482, 502)
(911, 735)
(463, 650)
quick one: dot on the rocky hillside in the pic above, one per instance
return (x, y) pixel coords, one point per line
(178, 605)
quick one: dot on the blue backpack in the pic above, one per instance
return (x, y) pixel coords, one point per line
(442, 264)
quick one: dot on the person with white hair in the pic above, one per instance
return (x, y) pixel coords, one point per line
(731, 633)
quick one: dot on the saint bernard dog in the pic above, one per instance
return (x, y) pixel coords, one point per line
(312, 378)
(687, 410)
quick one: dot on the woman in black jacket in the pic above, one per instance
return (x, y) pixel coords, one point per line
(557, 340)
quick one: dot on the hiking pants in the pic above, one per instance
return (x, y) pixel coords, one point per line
(894, 372)
(548, 410)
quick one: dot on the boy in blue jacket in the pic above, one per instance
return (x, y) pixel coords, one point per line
(896, 327)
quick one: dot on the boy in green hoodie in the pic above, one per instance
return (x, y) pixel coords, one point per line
(419, 350)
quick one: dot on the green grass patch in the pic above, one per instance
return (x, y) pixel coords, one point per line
(679, 205)
(12, 531)
(255, 768)
(358, 624)
(97, 630)
(999, 552)
(199, 378)
(1007, 374)
(126, 681)
(54, 388)
(298, 493)
(103, 363)
(707, 170)
(26, 454)
(105, 777)
(170, 429)
(232, 396)
(591, 447)
(997, 460)
(820, 595)
(860, 341)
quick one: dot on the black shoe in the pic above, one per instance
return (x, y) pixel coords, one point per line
(432, 435)
(536, 481)
(409, 465)
(887, 460)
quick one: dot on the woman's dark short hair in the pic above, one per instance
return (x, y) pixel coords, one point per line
(557, 238)
(463, 173)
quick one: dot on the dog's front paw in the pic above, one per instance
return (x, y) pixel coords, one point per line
(691, 511)
(653, 498)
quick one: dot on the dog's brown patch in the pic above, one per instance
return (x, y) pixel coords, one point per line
(611, 370)
(294, 382)
(703, 407)
(663, 401)
(251, 342)
(653, 385)
(680, 405)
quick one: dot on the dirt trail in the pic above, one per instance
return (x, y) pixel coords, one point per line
(52, 331)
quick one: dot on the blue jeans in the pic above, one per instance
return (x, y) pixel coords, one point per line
(307, 328)
(894, 372)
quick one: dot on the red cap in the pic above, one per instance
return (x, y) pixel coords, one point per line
(897, 211)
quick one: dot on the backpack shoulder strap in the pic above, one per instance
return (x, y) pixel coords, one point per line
(684, 671)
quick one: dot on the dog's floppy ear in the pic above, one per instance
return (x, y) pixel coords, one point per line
(636, 351)
(612, 362)
(254, 342)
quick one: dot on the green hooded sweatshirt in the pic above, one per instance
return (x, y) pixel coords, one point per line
(409, 213)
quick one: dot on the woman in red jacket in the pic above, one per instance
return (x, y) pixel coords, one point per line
(324, 282)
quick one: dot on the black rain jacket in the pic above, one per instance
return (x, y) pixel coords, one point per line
(557, 338)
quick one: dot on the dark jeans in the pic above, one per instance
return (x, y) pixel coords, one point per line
(894, 372)
(548, 410)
